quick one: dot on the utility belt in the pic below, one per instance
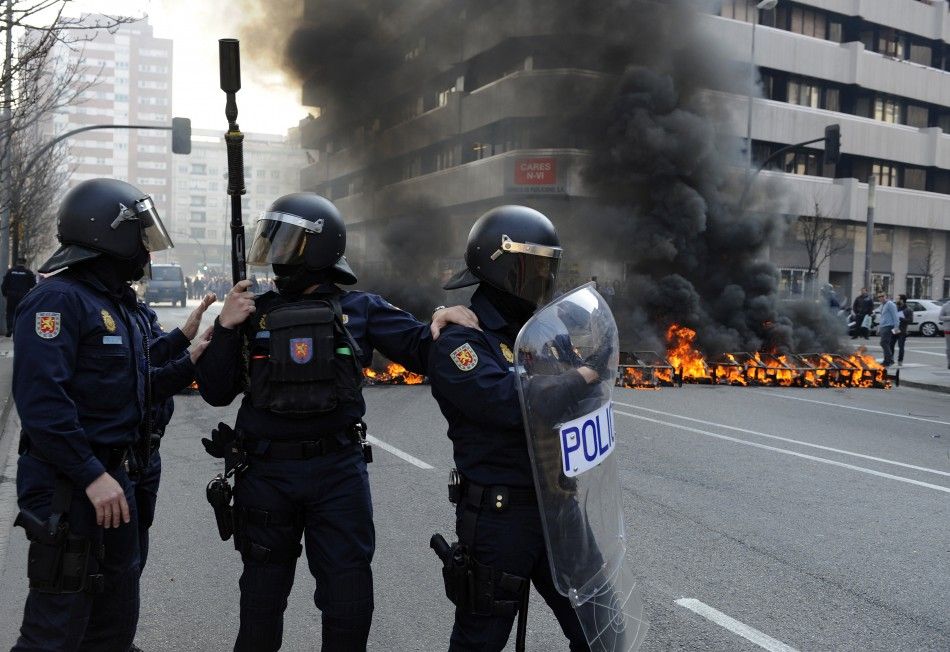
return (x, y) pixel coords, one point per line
(58, 560)
(112, 458)
(229, 445)
(469, 584)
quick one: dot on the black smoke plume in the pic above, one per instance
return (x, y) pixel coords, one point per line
(662, 167)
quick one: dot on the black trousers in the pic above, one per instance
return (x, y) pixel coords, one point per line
(12, 303)
(513, 541)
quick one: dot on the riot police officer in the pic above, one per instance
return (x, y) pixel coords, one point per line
(16, 283)
(300, 421)
(512, 255)
(81, 383)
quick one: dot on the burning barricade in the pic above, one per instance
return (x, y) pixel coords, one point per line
(391, 373)
(684, 363)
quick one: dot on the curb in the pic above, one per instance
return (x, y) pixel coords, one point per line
(930, 387)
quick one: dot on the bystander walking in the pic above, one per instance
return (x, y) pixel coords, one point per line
(888, 328)
(945, 326)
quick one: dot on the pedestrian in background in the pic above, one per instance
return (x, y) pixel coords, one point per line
(906, 317)
(862, 308)
(888, 328)
(945, 325)
(16, 283)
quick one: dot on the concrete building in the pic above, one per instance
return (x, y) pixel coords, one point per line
(202, 209)
(472, 125)
(134, 86)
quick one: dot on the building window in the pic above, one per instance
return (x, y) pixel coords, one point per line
(917, 287)
(198, 200)
(791, 283)
(197, 232)
(915, 178)
(887, 109)
(199, 216)
(886, 174)
(739, 9)
(881, 283)
(918, 116)
(198, 168)
(946, 287)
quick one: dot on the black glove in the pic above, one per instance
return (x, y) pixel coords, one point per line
(599, 361)
(224, 445)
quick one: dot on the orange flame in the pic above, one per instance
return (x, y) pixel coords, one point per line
(393, 374)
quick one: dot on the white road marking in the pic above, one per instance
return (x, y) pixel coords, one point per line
(849, 407)
(398, 453)
(751, 634)
(791, 441)
(785, 451)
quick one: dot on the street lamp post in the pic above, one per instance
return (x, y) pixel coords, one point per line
(764, 5)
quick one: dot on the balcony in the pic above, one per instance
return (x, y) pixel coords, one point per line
(847, 63)
(780, 122)
(490, 179)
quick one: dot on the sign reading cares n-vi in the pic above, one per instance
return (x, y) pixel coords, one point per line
(587, 441)
(535, 174)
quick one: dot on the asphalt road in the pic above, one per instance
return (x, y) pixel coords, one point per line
(813, 519)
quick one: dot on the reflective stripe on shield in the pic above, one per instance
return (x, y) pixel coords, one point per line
(572, 444)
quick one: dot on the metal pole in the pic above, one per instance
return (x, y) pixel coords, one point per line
(5, 165)
(869, 236)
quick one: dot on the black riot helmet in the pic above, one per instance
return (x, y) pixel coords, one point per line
(106, 217)
(514, 249)
(302, 230)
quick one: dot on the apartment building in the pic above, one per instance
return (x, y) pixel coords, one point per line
(475, 120)
(133, 74)
(199, 221)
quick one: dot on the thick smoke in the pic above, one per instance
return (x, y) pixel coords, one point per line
(662, 166)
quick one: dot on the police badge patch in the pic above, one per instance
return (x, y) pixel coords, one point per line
(505, 351)
(47, 324)
(464, 357)
(108, 321)
(301, 349)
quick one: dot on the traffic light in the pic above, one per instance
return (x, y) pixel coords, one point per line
(181, 135)
(832, 144)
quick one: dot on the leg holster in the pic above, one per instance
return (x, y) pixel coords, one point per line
(470, 585)
(59, 561)
(244, 516)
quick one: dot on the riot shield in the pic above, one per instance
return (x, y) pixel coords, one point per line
(571, 441)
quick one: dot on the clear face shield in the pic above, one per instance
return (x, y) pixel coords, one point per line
(281, 239)
(154, 235)
(530, 270)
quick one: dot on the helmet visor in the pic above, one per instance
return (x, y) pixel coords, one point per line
(281, 239)
(154, 235)
(530, 276)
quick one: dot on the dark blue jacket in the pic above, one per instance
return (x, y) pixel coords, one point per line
(17, 282)
(481, 404)
(78, 372)
(172, 368)
(372, 321)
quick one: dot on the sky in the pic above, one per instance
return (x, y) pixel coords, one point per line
(267, 102)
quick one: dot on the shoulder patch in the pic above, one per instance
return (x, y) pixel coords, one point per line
(108, 321)
(464, 357)
(47, 324)
(506, 351)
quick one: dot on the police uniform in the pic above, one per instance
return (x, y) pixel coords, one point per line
(473, 380)
(79, 387)
(172, 371)
(299, 358)
(16, 283)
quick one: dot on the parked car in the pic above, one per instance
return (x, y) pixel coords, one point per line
(166, 284)
(926, 317)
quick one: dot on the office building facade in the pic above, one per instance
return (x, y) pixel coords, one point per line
(472, 118)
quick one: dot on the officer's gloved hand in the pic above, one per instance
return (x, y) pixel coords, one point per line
(220, 442)
(599, 361)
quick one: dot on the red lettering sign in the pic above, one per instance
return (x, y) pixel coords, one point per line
(536, 171)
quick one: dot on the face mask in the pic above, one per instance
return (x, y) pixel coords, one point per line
(292, 280)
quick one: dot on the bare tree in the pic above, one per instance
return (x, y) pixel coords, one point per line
(817, 233)
(36, 82)
(926, 264)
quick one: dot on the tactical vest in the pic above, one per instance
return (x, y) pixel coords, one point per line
(303, 362)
